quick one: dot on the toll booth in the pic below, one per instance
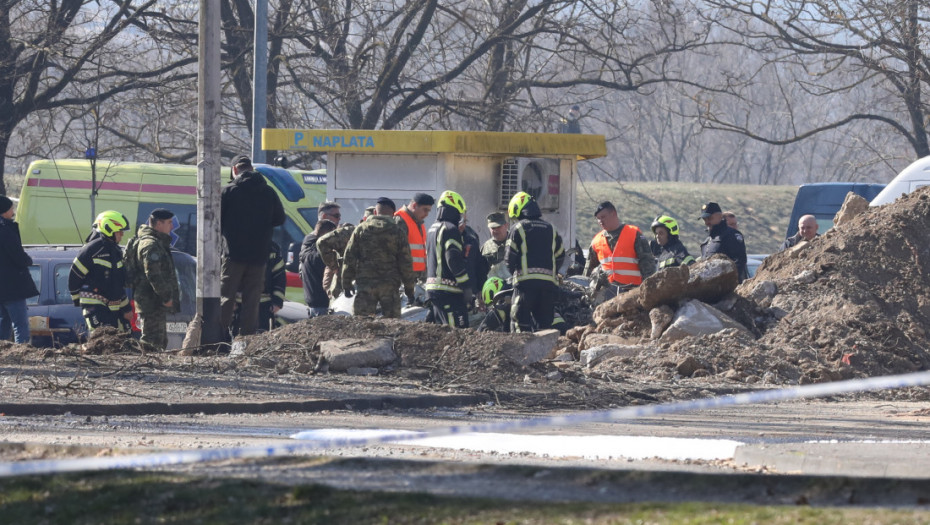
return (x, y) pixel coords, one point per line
(486, 168)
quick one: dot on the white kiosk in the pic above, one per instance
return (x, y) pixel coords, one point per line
(486, 168)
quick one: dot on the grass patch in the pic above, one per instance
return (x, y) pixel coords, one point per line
(762, 211)
(118, 497)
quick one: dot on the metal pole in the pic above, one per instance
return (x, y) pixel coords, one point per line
(208, 173)
(259, 79)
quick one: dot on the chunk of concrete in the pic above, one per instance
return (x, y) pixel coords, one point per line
(853, 205)
(535, 349)
(343, 354)
(763, 293)
(663, 287)
(661, 318)
(595, 339)
(711, 280)
(596, 354)
(695, 318)
(625, 303)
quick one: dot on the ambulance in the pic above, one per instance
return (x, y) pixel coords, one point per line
(55, 202)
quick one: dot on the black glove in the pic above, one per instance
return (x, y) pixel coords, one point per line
(347, 292)
(410, 297)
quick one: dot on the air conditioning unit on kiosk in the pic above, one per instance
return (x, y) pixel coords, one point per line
(537, 176)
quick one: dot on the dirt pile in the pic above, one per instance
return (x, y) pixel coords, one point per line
(854, 302)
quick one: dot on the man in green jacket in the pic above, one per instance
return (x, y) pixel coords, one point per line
(152, 277)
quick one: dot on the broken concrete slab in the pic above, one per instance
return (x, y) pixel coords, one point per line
(595, 339)
(663, 287)
(712, 279)
(596, 354)
(625, 303)
(535, 349)
(343, 354)
(660, 318)
(853, 205)
(695, 318)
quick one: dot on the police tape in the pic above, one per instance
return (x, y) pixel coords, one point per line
(160, 459)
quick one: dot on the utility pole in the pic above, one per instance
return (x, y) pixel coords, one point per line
(208, 173)
(259, 79)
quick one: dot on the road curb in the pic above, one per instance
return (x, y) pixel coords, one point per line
(260, 407)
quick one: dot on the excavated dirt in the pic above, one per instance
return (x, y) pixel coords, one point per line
(855, 302)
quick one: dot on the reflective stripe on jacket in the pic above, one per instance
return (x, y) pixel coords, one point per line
(416, 237)
(621, 263)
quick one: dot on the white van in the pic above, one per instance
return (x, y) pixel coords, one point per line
(911, 178)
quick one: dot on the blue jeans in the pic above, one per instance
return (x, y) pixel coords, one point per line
(14, 314)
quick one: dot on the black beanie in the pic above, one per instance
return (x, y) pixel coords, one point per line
(5, 204)
(161, 214)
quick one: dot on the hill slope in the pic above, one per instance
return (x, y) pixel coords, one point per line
(762, 211)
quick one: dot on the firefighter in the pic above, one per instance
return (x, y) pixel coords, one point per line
(668, 247)
(410, 219)
(620, 250)
(534, 255)
(97, 281)
(498, 316)
(447, 285)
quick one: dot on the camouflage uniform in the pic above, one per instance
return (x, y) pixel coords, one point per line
(493, 253)
(331, 247)
(154, 283)
(378, 260)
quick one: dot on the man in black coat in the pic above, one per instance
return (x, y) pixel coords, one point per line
(312, 269)
(16, 284)
(723, 239)
(249, 212)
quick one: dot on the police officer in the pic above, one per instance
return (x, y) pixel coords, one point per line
(410, 220)
(667, 246)
(494, 248)
(534, 255)
(447, 285)
(621, 250)
(723, 239)
(97, 281)
(378, 260)
(152, 277)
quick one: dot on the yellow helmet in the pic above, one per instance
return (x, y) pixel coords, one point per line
(669, 223)
(517, 203)
(450, 198)
(490, 288)
(109, 222)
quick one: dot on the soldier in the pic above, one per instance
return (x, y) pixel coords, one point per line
(621, 250)
(447, 283)
(534, 255)
(331, 247)
(378, 260)
(328, 211)
(494, 248)
(410, 220)
(152, 277)
(312, 270)
(723, 239)
(98, 279)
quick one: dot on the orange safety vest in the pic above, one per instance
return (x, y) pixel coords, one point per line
(416, 237)
(621, 264)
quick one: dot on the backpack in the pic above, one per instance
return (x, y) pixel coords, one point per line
(135, 272)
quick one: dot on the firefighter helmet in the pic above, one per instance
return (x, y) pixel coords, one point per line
(109, 222)
(669, 223)
(450, 198)
(517, 203)
(490, 288)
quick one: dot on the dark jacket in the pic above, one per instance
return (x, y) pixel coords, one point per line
(793, 241)
(97, 275)
(311, 273)
(673, 253)
(275, 278)
(475, 264)
(723, 239)
(534, 248)
(446, 270)
(15, 280)
(249, 211)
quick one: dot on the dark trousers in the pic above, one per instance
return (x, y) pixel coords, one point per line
(449, 309)
(98, 315)
(249, 279)
(533, 304)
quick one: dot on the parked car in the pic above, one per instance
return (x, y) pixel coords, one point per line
(55, 321)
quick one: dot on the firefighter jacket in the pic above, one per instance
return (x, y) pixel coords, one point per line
(446, 270)
(150, 269)
(723, 239)
(378, 255)
(97, 275)
(534, 248)
(416, 237)
(673, 253)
